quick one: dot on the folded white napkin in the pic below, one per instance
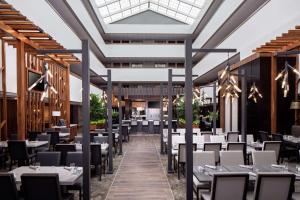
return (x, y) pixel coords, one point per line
(251, 174)
(210, 166)
(246, 166)
(277, 166)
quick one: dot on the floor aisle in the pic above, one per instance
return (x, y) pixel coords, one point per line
(140, 175)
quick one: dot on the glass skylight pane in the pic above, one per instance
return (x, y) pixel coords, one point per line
(200, 3)
(164, 2)
(107, 20)
(184, 8)
(144, 6)
(125, 4)
(114, 7)
(155, 1)
(108, 1)
(162, 9)
(153, 6)
(134, 2)
(116, 16)
(181, 17)
(174, 4)
(171, 13)
(190, 20)
(103, 11)
(126, 13)
(99, 2)
(135, 9)
(194, 12)
(190, 1)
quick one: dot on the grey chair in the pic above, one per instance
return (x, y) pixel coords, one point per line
(101, 139)
(274, 186)
(237, 146)
(78, 139)
(201, 159)
(41, 137)
(264, 157)
(74, 157)
(42, 186)
(228, 186)
(273, 146)
(64, 148)
(232, 158)
(263, 136)
(206, 135)
(295, 130)
(216, 147)
(232, 136)
(97, 160)
(181, 158)
(48, 158)
(8, 188)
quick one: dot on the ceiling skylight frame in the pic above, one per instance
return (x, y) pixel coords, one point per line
(185, 11)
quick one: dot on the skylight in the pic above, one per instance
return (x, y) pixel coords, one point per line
(185, 11)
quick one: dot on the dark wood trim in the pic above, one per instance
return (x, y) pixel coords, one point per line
(4, 95)
(273, 95)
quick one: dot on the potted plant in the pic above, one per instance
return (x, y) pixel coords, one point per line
(97, 112)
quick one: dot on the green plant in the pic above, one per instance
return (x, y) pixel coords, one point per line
(97, 108)
(213, 115)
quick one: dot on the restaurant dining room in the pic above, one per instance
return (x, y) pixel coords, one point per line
(149, 100)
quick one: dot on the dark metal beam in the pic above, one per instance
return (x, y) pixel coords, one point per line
(214, 50)
(161, 124)
(283, 54)
(244, 106)
(189, 117)
(109, 113)
(86, 119)
(170, 117)
(215, 107)
(182, 75)
(120, 119)
(62, 51)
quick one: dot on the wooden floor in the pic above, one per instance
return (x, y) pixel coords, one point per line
(140, 175)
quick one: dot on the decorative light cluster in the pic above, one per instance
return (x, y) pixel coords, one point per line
(229, 84)
(284, 75)
(254, 93)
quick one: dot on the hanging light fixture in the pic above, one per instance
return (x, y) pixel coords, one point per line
(284, 75)
(254, 92)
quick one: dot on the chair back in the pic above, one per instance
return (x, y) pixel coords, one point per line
(49, 158)
(263, 136)
(229, 186)
(96, 154)
(206, 135)
(197, 131)
(199, 139)
(274, 186)
(42, 137)
(176, 139)
(232, 158)
(145, 122)
(31, 135)
(217, 138)
(8, 188)
(17, 149)
(54, 137)
(101, 139)
(65, 130)
(41, 186)
(75, 157)
(133, 123)
(250, 138)
(156, 123)
(78, 139)
(204, 158)
(273, 146)
(277, 137)
(295, 130)
(63, 149)
(182, 152)
(237, 146)
(264, 157)
(215, 147)
(232, 136)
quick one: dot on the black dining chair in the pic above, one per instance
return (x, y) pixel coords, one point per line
(54, 138)
(97, 160)
(286, 151)
(3, 158)
(49, 158)
(31, 135)
(43, 186)
(263, 136)
(77, 159)
(8, 188)
(238, 146)
(18, 152)
(125, 133)
(46, 138)
(64, 149)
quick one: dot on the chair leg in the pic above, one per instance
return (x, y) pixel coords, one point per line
(178, 171)
(197, 193)
(80, 194)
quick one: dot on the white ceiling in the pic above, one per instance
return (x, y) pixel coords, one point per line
(186, 11)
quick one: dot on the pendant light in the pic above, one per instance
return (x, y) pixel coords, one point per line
(284, 75)
(254, 92)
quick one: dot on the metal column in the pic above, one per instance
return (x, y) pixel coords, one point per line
(244, 106)
(215, 107)
(189, 118)
(120, 119)
(109, 114)
(170, 117)
(86, 119)
(161, 127)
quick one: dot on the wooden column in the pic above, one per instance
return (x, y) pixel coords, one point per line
(4, 105)
(273, 95)
(21, 91)
(67, 100)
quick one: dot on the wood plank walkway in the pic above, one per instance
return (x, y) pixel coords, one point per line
(140, 174)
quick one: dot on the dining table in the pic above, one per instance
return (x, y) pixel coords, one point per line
(67, 175)
(29, 144)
